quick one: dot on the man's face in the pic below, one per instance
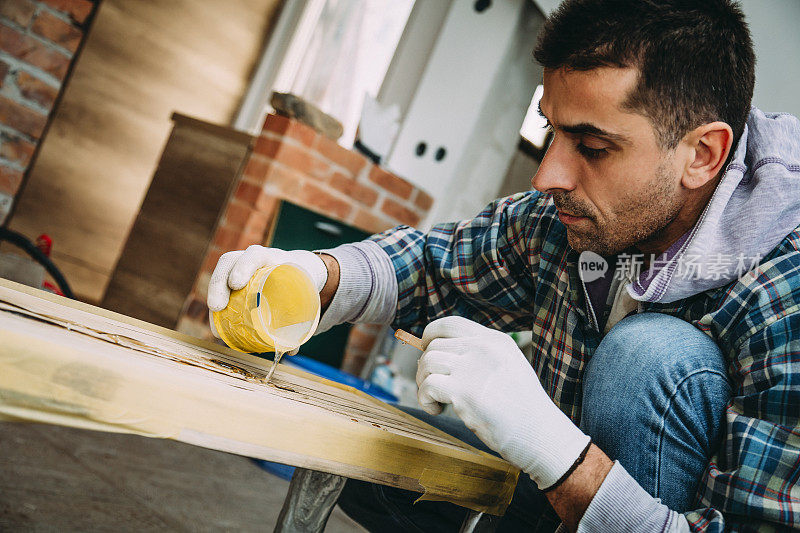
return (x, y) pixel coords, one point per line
(613, 186)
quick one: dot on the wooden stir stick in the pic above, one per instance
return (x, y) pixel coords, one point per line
(407, 338)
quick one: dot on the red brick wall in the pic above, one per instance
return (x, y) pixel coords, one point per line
(291, 161)
(37, 42)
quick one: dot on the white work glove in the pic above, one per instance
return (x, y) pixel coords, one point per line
(234, 270)
(496, 393)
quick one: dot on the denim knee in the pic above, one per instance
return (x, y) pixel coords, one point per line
(654, 397)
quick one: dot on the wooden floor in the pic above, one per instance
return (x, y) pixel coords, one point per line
(54, 478)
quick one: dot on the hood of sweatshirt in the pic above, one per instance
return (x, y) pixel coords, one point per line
(754, 207)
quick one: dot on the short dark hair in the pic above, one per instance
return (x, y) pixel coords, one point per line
(695, 57)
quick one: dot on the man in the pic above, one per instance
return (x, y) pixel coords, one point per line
(661, 400)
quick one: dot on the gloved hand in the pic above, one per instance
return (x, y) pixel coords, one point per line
(496, 393)
(234, 270)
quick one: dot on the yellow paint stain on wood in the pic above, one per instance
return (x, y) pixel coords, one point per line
(144, 379)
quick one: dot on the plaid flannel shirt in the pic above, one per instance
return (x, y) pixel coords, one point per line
(511, 268)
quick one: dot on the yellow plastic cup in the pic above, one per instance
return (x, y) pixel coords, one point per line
(277, 311)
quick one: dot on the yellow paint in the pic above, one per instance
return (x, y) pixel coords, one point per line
(278, 310)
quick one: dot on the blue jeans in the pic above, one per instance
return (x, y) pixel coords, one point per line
(654, 399)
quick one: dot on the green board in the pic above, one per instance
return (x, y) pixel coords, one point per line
(298, 228)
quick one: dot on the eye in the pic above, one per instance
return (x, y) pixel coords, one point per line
(591, 153)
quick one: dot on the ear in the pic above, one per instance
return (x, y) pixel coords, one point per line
(709, 146)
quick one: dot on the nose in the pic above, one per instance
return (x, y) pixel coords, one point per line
(555, 171)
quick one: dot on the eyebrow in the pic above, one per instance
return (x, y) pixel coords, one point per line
(585, 128)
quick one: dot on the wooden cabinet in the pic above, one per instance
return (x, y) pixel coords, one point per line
(168, 241)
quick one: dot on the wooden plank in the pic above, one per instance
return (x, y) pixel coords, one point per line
(141, 62)
(69, 363)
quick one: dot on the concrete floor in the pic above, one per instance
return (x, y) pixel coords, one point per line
(54, 478)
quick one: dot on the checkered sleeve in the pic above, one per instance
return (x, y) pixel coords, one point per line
(483, 268)
(753, 482)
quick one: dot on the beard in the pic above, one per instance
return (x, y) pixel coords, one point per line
(636, 218)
